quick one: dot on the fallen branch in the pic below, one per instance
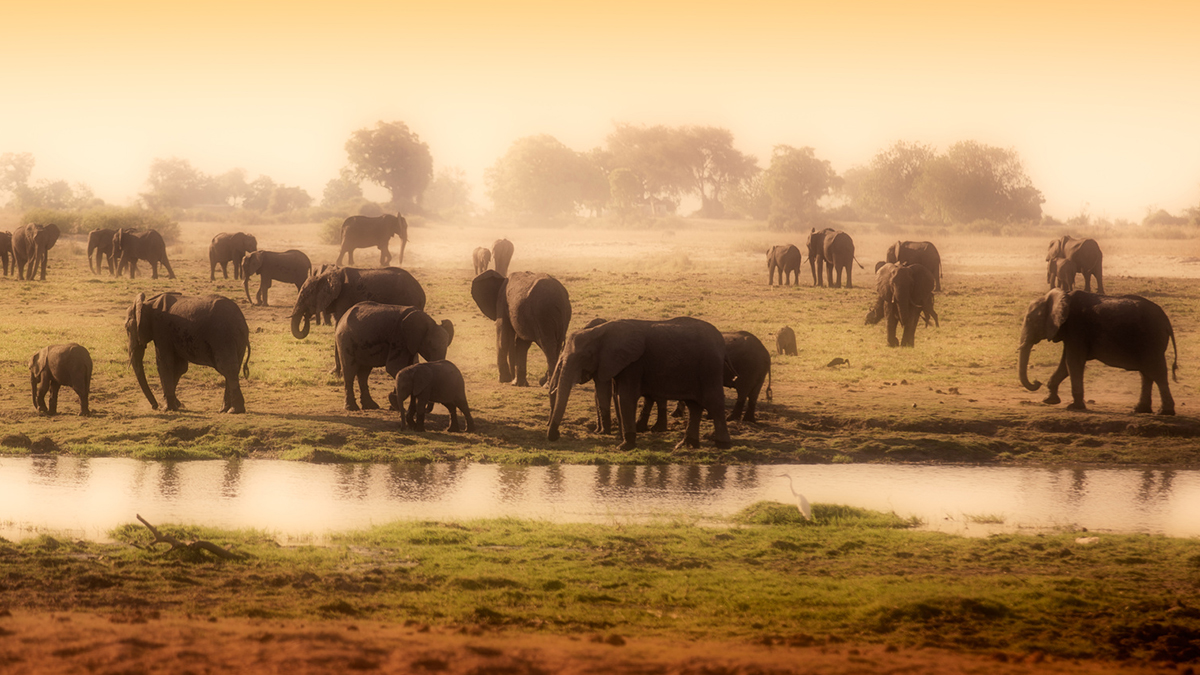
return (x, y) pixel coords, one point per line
(196, 546)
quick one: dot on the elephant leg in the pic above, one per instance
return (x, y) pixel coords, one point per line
(1159, 375)
(660, 422)
(604, 407)
(53, 405)
(892, 320)
(348, 372)
(170, 373)
(420, 401)
(506, 338)
(1056, 378)
(910, 327)
(680, 409)
(520, 359)
(82, 391)
(337, 363)
(850, 274)
(752, 403)
(691, 436)
(364, 390)
(1075, 363)
(715, 406)
(1099, 272)
(628, 392)
(738, 405)
(461, 404)
(43, 388)
(1143, 404)
(453, 427)
(643, 420)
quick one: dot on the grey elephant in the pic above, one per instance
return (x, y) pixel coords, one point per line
(373, 232)
(904, 292)
(1060, 273)
(787, 259)
(31, 247)
(1087, 256)
(528, 309)
(481, 257)
(6, 250)
(290, 267)
(100, 247)
(1123, 331)
(336, 289)
(229, 247)
(371, 335)
(56, 366)
(785, 341)
(426, 384)
(831, 250)
(679, 359)
(922, 253)
(207, 330)
(502, 253)
(130, 246)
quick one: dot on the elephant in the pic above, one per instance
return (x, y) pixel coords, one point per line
(502, 253)
(6, 250)
(229, 247)
(528, 308)
(678, 359)
(481, 257)
(787, 259)
(31, 245)
(291, 266)
(336, 289)
(1123, 331)
(922, 253)
(833, 250)
(1086, 255)
(426, 384)
(130, 246)
(207, 330)
(100, 247)
(904, 292)
(371, 334)
(368, 231)
(1060, 273)
(785, 341)
(56, 366)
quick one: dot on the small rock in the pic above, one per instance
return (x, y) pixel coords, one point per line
(903, 381)
(914, 405)
(1087, 541)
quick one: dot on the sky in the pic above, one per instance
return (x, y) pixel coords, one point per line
(1100, 99)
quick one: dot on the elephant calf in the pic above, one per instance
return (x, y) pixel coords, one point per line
(57, 366)
(904, 293)
(1061, 273)
(785, 341)
(291, 266)
(481, 257)
(426, 384)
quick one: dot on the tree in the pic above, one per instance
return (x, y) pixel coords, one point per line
(713, 165)
(175, 183)
(285, 198)
(657, 155)
(449, 194)
(796, 182)
(393, 157)
(627, 192)
(258, 194)
(15, 169)
(341, 189)
(973, 181)
(232, 187)
(538, 176)
(886, 187)
(749, 198)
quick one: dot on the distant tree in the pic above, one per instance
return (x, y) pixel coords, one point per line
(285, 198)
(538, 176)
(449, 194)
(796, 182)
(658, 156)
(15, 169)
(749, 198)
(1162, 217)
(341, 189)
(626, 191)
(714, 165)
(231, 187)
(973, 181)
(258, 194)
(393, 157)
(175, 183)
(886, 187)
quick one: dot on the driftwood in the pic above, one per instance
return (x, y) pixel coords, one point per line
(195, 547)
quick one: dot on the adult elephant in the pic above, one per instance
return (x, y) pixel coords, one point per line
(6, 249)
(502, 253)
(832, 250)
(337, 289)
(1087, 256)
(678, 359)
(130, 246)
(373, 334)
(787, 259)
(208, 331)
(1123, 331)
(229, 247)
(922, 253)
(903, 292)
(290, 267)
(31, 246)
(100, 247)
(1060, 273)
(528, 309)
(373, 231)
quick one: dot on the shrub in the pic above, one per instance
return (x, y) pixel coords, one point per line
(82, 221)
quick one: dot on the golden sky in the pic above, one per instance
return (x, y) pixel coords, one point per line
(1100, 99)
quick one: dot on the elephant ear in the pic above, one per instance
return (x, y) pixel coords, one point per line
(139, 325)
(328, 289)
(52, 233)
(616, 349)
(1060, 306)
(34, 368)
(486, 289)
(448, 326)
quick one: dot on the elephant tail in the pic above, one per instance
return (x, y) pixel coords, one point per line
(769, 396)
(1175, 364)
(246, 364)
(860, 265)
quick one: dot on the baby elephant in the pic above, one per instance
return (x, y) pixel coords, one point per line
(785, 341)
(426, 384)
(1061, 274)
(56, 366)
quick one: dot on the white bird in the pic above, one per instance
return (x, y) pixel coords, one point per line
(801, 501)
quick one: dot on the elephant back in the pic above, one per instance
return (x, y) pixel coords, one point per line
(387, 285)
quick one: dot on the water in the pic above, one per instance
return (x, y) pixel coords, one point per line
(84, 498)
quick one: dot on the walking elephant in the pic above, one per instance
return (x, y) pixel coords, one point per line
(1087, 256)
(785, 341)
(426, 384)
(922, 253)
(130, 246)
(528, 309)
(832, 250)
(208, 331)
(6, 250)
(678, 359)
(502, 253)
(481, 258)
(1123, 331)
(787, 259)
(904, 292)
(56, 366)
(31, 246)
(371, 334)
(376, 231)
(100, 247)
(1060, 273)
(229, 247)
(290, 267)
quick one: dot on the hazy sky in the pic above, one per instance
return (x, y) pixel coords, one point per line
(1100, 99)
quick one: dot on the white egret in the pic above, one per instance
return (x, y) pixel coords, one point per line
(801, 501)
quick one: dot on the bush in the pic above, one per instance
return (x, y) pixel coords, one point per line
(331, 231)
(105, 217)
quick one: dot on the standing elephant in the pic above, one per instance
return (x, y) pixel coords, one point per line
(787, 259)
(679, 359)
(1060, 273)
(1087, 256)
(290, 267)
(208, 331)
(481, 257)
(229, 247)
(904, 292)
(785, 341)
(6, 250)
(368, 231)
(426, 384)
(528, 309)
(371, 334)
(832, 250)
(750, 366)
(502, 253)
(337, 289)
(922, 253)
(100, 247)
(1124, 331)
(130, 246)
(31, 246)
(66, 365)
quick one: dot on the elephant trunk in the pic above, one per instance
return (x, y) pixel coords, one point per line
(139, 369)
(246, 287)
(1023, 367)
(33, 386)
(403, 243)
(565, 376)
(297, 332)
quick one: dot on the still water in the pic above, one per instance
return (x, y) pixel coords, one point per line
(84, 498)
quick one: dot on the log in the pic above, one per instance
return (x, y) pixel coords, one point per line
(195, 546)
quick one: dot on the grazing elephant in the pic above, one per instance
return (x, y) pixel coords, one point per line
(528, 309)
(67, 365)
(1060, 273)
(1123, 331)
(1087, 256)
(833, 250)
(787, 259)
(904, 292)
(785, 341)
(6, 250)
(371, 334)
(208, 330)
(229, 247)
(130, 246)
(290, 267)
(368, 231)
(337, 289)
(31, 245)
(679, 359)
(922, 253)
(426, 384)
(481, 257)
(502, 253)
(100, 247)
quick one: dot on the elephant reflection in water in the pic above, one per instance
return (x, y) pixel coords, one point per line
(422, 482)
